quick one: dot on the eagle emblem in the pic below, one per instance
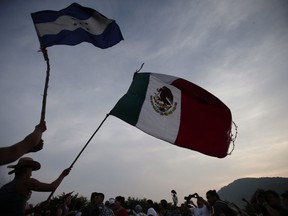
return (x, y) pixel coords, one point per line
(163, 101)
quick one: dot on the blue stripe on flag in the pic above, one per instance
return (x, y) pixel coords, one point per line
(74, 10)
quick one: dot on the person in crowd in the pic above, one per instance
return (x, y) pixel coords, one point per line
(15, 194)
(138, 211)
(285, 199)
(118, 208)
(64, 208)
(97, 207)
(218, 208)
(78, 209)
(39, 209)
(150, 208)
(103, 210)
(107, 203)
(91, 209)
(202, 208)
(257, 200)
(185, 210)
(163, 208)
(111, 203)
(31, 143)
(273, 204)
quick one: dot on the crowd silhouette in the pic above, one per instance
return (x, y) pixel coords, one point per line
(15, 194)
(268, 205)
(14, 198)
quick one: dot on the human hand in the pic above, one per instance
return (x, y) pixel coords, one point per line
(34, 137)
(37, 147)
(66, 171)
(41, 126)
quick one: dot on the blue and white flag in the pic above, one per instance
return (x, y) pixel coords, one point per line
(76, 24)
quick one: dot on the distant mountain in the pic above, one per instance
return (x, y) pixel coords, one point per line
(245, 188)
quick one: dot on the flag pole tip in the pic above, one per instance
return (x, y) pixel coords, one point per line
(140, 68)
(137, 71)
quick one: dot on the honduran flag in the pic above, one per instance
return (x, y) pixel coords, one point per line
(75, 24)
(177, 111)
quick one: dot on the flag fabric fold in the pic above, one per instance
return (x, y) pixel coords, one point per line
(75, 24)
(177, 111)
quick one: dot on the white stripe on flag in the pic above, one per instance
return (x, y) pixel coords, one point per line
(95, 25)
(161, 126)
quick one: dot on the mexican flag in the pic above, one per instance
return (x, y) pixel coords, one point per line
(177, 111)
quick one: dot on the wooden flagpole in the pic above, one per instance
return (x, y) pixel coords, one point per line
(82, 150)
(43, 111)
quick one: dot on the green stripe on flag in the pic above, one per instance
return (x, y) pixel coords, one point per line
(129, 106)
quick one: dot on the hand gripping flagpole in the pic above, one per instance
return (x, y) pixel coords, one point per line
(43, 111)
(82, 150)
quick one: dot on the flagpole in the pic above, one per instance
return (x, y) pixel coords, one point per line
(43, 111)
(82, 150)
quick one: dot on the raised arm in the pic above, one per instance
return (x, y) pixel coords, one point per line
(31, 143)
(35, 185)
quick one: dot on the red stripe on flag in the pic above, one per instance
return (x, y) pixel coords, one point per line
(205, 122)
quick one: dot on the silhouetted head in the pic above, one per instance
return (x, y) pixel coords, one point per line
(212, 196)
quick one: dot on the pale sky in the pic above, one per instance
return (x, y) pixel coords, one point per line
(237, 50)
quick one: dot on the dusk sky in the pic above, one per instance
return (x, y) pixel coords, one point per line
(237, 50)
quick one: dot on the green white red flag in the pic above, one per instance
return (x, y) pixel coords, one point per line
(177, 111)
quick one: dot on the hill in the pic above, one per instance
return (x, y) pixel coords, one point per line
(245, 187)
